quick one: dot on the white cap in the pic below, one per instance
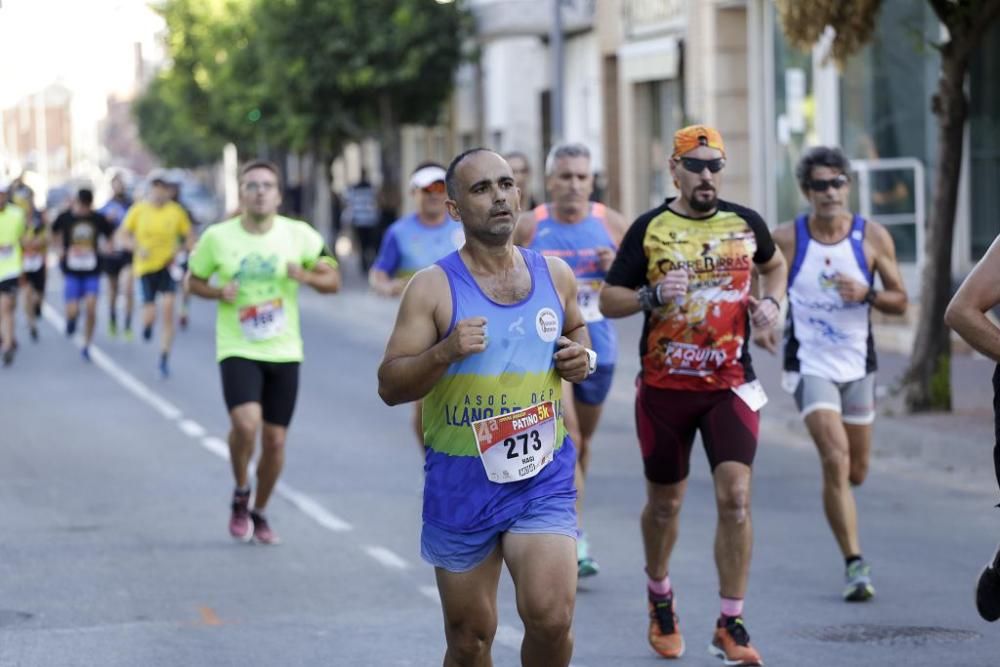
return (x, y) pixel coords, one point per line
(424, 177)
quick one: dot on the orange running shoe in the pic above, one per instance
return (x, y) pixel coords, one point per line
(664, 631)
(731, 644)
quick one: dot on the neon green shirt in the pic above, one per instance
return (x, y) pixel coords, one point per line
(11, 230)
(263, 323)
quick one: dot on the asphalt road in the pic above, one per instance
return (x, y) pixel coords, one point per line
(114, 496)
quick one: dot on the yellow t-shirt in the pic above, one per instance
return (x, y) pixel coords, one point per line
(157, 231)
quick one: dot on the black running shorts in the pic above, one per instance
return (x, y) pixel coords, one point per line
(667, 420)
(273, 385)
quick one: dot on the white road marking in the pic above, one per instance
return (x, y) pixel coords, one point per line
(430, 592)
(313, 509)
(220, 448)
(216, 446)
(191, 428)
(123, 377)
(387, 558)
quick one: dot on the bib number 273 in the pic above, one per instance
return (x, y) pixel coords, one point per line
(517, 445)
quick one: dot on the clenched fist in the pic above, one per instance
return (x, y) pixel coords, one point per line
(572, 360)
(467, 338)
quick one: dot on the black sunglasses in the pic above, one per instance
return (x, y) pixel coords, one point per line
(696, 166)
(821, 185)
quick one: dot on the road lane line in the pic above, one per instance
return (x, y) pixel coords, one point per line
(191, 428)
(313, 509)
(220, 448)
(216, 446)
(387, 558)
(123, 377)
(430, 592)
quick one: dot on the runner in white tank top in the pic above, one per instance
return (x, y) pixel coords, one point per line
(829, 350)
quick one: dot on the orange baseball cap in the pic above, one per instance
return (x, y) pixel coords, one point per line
(690, 137)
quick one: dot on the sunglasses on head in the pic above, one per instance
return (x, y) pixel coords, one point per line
(822, 185)
(437, 187)
(696, 166)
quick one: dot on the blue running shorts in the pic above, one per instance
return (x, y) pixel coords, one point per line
(461, 552)
(595, 389)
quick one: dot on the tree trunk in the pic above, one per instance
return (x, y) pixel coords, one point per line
(927, 383)
(391, 154)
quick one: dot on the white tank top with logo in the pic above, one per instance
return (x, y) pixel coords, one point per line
(826, 336)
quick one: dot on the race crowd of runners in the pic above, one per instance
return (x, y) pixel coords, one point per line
(504, 345)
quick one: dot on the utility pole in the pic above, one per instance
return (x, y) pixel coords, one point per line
(558, 71)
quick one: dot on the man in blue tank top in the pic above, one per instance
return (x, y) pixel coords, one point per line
(586, 235)
(484, 337)
(966, 314)
(829, 348)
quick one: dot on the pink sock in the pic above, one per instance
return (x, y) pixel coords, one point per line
(732, 607)
(661, 587)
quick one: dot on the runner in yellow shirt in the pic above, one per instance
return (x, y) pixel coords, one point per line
(11, 235)
(155, 229)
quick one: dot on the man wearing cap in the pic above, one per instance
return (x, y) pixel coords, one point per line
(687, 266)
(416, 241)
(12, 232)
(154, 228)
(585, 235)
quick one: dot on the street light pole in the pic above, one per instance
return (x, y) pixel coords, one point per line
(558, 67)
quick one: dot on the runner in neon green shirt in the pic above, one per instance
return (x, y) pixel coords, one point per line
(260, 259)
(12, 232)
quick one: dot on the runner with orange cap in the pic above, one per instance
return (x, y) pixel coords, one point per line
(687, 266)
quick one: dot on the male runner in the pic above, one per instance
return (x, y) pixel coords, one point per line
(155, 228)
(12, 229)
(416, 241)
(117, 264)
(585, 235)
(483, 337)
(518, 161)
(259, 260)
(966, 314)
(687, 266)
(829, 350)
(79, 232)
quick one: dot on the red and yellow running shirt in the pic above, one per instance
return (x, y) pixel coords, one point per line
(699, 341)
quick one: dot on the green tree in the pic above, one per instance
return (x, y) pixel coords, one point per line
(168, 130)
(927, 384)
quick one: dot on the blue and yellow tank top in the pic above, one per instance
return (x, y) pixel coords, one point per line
(577, 244)
(515, 371)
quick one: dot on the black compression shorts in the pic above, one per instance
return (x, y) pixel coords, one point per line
(274, 385)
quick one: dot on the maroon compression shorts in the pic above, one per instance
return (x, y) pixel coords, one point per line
(667, 420)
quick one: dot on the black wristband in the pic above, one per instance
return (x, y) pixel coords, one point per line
(772, 300)
(870, 296)
(649, 297)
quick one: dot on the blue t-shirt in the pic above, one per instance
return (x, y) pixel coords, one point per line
(409, 245)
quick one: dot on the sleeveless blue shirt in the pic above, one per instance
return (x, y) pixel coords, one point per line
(515, 371)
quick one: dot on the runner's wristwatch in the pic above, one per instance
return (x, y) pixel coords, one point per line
(591, 362)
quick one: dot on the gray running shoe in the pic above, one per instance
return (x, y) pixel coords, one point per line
(859, 582)
(586, 566)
